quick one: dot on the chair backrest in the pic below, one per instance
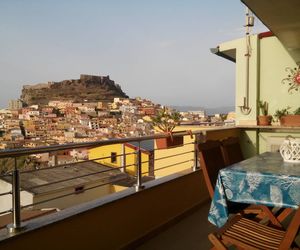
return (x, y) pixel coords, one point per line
(211, 161)
(231, 150)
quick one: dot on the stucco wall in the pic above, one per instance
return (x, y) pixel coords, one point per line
(273, 61)
(268, 63)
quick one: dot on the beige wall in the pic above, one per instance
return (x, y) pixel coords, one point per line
(268, 64)
(273, 61)
(239, 45)
(269, 138)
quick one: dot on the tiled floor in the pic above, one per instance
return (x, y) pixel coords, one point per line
(188, 234)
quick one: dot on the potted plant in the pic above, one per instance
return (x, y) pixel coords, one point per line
(166, 120)
(292, 120)
(279, 113)
(264, 119)
(288, 119)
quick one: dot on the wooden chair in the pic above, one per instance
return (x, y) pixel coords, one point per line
(211, 161)
(231, 150)
(247, 234)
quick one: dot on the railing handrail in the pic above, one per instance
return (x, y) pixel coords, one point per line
(46, 149)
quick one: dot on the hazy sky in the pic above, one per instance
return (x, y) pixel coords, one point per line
(156, 49)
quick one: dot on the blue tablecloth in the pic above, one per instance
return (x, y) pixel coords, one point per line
(264, 179)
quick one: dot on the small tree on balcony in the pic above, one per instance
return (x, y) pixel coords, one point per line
(166, 120)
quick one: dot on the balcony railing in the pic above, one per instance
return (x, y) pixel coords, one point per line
(187, 156)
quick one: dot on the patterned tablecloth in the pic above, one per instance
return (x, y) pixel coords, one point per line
(263, 179)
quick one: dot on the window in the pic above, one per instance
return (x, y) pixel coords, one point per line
(113, 157)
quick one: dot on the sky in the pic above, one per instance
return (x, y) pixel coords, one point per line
(156, 49)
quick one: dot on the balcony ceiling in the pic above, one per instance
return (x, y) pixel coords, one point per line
(283, 19)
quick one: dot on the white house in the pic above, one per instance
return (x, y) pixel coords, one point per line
(74, 184)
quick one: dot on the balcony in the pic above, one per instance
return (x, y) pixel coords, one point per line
(128, 200)
(144, 203)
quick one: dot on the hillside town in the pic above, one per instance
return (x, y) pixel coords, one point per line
(91, 108)
(62, 122)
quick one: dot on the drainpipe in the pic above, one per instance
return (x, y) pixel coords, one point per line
(245, 109)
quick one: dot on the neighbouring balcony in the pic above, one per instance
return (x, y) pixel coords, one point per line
(142, 193)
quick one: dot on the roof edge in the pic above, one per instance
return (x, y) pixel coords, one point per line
(217, 52)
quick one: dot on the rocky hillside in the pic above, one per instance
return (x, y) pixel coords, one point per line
(87, 88)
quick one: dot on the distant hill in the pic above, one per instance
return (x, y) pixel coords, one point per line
(209, 111)
(88, 88)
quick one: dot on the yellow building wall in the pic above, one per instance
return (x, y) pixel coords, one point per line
(105, 152)
(167, 161)
(171, 160)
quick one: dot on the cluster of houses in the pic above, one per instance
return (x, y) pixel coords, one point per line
(62, 122)
(67, 122)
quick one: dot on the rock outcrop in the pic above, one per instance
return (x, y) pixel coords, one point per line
(88, 88)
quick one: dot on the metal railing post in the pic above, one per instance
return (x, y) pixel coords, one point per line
(196, 153)
(139, 183)
(123, 159)
(16, 201)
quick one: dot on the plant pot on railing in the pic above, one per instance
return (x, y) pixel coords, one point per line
(290, 120)
(264, 120)
(170, 141)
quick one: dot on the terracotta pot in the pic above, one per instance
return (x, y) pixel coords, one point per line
(290, 120)
(163, 143)
(264, 120)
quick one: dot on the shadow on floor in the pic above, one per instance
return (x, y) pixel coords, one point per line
(188, 234)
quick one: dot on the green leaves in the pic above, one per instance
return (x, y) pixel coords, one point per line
(297, 111)
(166, 120)
(263, 107)
(281, 112)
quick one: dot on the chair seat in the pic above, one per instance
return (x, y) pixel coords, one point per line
(253, 234)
